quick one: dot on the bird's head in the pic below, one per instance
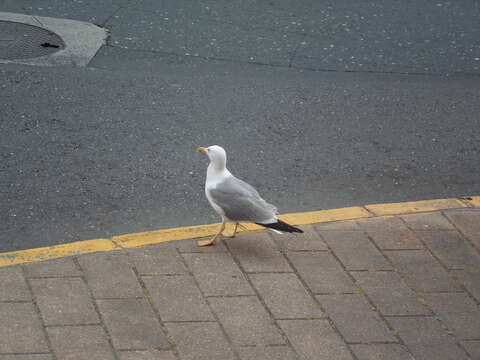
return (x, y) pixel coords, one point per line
(215, 153)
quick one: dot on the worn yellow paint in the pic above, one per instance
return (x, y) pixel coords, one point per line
(56, 251)
(191, 232)
(415, 206)
(313, 217)
(475, 201)
(159, 236)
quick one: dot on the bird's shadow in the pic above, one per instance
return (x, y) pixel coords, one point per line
(253, 246)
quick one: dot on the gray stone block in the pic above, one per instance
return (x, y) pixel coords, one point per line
(422, 272)
(218, 274)
(12, 284)
(451, 248)
(110, 276)
(458, 311)
(178, 298)
(426, 339)
(381, 352)
(257, 252)
(315, 340)
(80, 343)
(64, 301)
(389, 293)
(355, 319)
(20, 329)
(246, 321)
(321, 272)
(355, 250)
(132, 324)
(200, 341)
(286, 296)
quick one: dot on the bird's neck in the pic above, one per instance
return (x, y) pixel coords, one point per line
(217, 171)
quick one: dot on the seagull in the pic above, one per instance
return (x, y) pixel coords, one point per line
(235, 200)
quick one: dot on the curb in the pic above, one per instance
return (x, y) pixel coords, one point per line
(190, 232)
(82, 40)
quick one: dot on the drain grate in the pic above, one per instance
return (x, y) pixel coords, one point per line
(22, 41)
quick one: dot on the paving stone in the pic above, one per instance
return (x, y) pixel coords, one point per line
(309, 240)
(80, 343)
(355, 319)
(451, 249)
(12, 284)
(131, 324)
(422, 272)
(471, 280)
(426, 339)
(267, 353)
(382, 223)
(389, 293)
(473, 348)
(52, 268)
(395, 239)
(20, 329)
(27, 357)
(468, 222)
(338, 225)
(146, 355)
(110, 276)
(321, 272)
(427, 221)
(285, 296)
(381, 352)
(355, 250)
(315, 340)
(64, 301)
(200, 341)
(157, 259)
(458, 311)
(217, 274)
(257, 252)
(177, 298)
(245, 321)
(190, 246)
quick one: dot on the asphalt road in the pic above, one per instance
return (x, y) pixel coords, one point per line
(110, 149)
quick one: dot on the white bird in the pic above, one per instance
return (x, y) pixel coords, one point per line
(235, 200)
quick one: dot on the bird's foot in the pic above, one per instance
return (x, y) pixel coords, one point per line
(212, 240)
(232, 233)
(208, 242)
(229, 234)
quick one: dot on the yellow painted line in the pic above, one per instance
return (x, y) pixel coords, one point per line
(160, 236)
(415, 206)
(191, 232)
(313, 217)
(56, 251)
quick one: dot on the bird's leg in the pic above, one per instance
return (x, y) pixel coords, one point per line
(213, 239)
(234, 231)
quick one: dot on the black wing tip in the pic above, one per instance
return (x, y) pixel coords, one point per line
(282, 226)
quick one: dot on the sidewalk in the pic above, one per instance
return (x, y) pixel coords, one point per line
(385, 287)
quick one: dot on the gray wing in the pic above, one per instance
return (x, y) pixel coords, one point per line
(241, 202)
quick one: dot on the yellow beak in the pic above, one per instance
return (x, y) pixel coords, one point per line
(201, 149)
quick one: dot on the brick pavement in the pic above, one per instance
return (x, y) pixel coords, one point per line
(395, 287)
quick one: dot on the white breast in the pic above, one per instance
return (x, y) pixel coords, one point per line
(213, 178)
(217, 208)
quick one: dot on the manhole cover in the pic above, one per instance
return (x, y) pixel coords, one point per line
(22, 41)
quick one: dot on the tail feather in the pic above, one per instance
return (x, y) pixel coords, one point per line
(281, 226)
